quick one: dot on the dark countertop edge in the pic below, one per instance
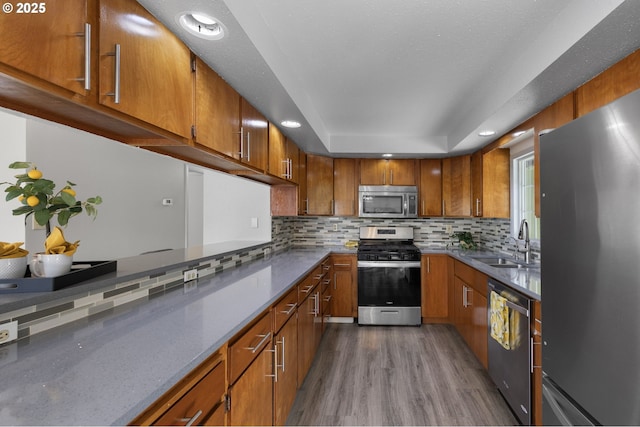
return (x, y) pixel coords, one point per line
(131, 268)
(494, 273)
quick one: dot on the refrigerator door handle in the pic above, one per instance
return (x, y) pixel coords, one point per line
(559, 405)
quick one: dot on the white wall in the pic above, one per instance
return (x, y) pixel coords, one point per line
(132, 183)
(230, 203)
(13, 147)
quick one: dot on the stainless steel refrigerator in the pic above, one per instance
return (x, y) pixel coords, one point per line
(590, 243)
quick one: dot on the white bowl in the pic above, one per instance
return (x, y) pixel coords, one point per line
(13, 268)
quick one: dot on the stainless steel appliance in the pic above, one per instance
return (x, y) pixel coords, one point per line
(511, 365)
(590, 224)
(388, 277)
(388, 201)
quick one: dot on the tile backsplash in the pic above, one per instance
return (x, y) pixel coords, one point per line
(490, 233)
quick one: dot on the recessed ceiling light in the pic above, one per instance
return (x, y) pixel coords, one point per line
(290, 124)
(520, 132)
(487, 133)
(387, 155)
(201, 25)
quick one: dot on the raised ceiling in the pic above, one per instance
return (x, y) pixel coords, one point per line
(416, 78)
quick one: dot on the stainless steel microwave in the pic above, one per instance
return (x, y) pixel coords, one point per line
(388, 201)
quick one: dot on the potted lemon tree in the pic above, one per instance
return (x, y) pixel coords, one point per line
(38, 197)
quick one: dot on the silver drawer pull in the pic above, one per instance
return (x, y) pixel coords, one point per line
(191, 420)
(307, 289)
(264, 339)
(291, 308)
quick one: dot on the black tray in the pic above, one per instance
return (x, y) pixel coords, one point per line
(80, 271)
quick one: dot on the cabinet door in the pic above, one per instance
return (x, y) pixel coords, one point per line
(479, 330)
(151, 65)
(462, 294)
(252, 395)
(345, 191)
(496, 184)
(303, 200)
(217, 112)
(293, 156)
(49, 45)
(456, 186)
(344, 273)
(477, 181)
(373, 172)
(306, 340)
(286, 379)
(401, 172)
(430, 187)
(319, 185)
(435, 291)
(255, 136)
(277, 153)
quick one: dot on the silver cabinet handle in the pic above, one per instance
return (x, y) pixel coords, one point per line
(327, 298)
(191, 420)
(116, 89)
(443, 210)
(428, 264)
(87, 56)
(241, 152)
(291, 308)
(422, 207)
(281, 366)
(248, 146)
(264, 339)
(477, 207)
(275, 363)
(306, 202)
(335, 277)
(306, 289)
(391, 176)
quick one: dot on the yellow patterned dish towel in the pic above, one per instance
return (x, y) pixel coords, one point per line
(499, 320)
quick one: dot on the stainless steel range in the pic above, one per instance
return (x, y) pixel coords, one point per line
(388, 277)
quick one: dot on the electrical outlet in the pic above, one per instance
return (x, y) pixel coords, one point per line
(335, 227)
(8, 332)
(190, 275)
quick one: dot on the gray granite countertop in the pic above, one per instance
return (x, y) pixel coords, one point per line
(106, 369)
(525, 280)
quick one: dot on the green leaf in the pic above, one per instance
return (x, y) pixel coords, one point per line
(63, 217)
(91, 211)
(95, 200)
(13, 192)
(68, 198)
(43, 216)
(20, 165)
(22, 210)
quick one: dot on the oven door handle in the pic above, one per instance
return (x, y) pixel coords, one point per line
(389, 264)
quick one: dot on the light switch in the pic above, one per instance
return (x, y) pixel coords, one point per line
(254, 222)
(167, 202)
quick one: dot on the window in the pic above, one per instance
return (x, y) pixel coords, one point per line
(523, 197)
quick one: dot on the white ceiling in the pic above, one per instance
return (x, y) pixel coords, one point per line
(417, 78)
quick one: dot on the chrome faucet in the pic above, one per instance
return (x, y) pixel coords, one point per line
(523, 234)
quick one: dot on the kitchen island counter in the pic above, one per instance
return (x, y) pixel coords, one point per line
(107, 368)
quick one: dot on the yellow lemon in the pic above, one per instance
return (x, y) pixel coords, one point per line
(21, 198)
(32, 201)
(70, 191)
(34, 174)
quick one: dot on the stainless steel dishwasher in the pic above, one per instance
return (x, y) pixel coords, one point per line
(510, 365)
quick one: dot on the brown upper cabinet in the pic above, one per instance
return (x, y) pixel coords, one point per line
(54, 46)
(254, 136)
(217, 112)
(387, 172)
(491, 183)
(284, 155)
(456, 186)
(319, 185)
(145, 70)
(345, 187)
(430, 187)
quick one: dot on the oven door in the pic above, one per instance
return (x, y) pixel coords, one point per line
(389, 292)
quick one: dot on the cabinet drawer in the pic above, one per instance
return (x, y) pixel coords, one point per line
(464, 272)
(284, 309)
(316, 275)
(305, 288)
(198, 402)
(248, 346)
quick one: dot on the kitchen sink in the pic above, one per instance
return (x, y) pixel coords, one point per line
(501, 262)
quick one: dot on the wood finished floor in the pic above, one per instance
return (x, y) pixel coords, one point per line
(397, 376)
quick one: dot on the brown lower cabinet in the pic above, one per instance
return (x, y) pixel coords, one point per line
(285, 346)
(344, 283)
(435, 288)
(251, 397)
